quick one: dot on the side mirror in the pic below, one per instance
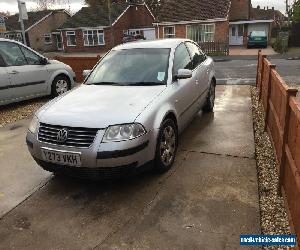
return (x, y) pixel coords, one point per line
(44, 61)
(184, 74)
(86, 73)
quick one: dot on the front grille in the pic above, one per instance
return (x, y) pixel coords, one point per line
(77, 137)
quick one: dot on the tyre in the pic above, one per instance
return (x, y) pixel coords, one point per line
(166, 148)
(210, 100)
(60, 85)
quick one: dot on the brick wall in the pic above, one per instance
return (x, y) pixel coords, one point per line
(221, 31)
(135, 17)
(36, 34)
(240, 10)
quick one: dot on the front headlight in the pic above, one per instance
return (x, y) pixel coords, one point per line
(123, 132)
(33, 126)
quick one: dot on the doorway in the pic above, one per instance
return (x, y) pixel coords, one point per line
(236, 34)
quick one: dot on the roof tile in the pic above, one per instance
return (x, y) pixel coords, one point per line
(189, 10)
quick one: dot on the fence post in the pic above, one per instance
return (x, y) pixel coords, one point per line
(272, 67)
(257, 70)
(289, 93)
(263, 57)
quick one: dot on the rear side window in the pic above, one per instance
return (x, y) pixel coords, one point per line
(11, 54)
(182, 59)
(258, 33)
(197, 56)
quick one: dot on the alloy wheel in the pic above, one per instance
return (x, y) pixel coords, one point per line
(168, 146)
(61, 87)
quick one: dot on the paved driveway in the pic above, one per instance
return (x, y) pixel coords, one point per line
(205, 202)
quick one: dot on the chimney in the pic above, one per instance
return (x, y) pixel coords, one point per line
(273, 8)
(267, 7)
(264, 7)
(258, 7)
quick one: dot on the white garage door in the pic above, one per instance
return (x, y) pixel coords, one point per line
(258, 27)
(149, 34)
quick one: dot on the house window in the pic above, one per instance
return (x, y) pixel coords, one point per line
(19, 37)
(169, 32)
(93, 37)
(71, 38)
(201, 33)
(47, 38)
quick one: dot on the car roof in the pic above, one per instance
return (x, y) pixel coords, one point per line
(14, 41)
(10, 40)
(155, 44)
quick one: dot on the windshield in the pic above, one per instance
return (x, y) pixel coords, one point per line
(258, 33)
(132, 67)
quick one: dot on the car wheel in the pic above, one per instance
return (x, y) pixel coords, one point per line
(210, 101)
(166, 146)
(60, 85)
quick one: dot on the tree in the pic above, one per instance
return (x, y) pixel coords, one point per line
(47, 4)
(296, 12)
(152, 4)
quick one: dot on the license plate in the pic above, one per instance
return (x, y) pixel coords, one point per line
(61, 157)
(257, 39)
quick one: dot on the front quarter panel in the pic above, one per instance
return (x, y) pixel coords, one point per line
(58, 69)
(211, 69)
(153, 116)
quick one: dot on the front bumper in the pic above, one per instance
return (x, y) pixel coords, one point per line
(100, 159)
(257, 44)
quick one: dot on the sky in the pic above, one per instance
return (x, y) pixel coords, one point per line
(12, 7)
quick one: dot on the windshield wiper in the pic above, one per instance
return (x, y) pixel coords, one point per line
(105, 83)
(147, 83)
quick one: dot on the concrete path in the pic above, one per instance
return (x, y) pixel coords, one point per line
(206, 201)
(19, 175)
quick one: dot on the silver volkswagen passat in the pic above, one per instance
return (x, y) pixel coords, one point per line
(128, 112)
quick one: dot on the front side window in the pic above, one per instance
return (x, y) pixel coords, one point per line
(182, 59)
(31, 57)
(197, 56)
(11, 54)
(71, 38)
(93, 37)
(169, 32)
(47, 38)
(136, 67)
(201, 33)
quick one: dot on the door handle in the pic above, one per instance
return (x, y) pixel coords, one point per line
(14, 72)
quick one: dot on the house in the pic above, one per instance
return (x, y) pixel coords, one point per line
(242, 21)
(222, 21)
(91, 30)
(269, 14)
(201, 21)
(38, 29)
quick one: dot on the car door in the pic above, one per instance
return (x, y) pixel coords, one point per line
(5, 90)
(28, 77)
(201, 70)
(185, 97)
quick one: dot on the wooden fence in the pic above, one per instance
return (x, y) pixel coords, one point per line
(78, 64)
(295, 38)
(282, 122)
(215, 48)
